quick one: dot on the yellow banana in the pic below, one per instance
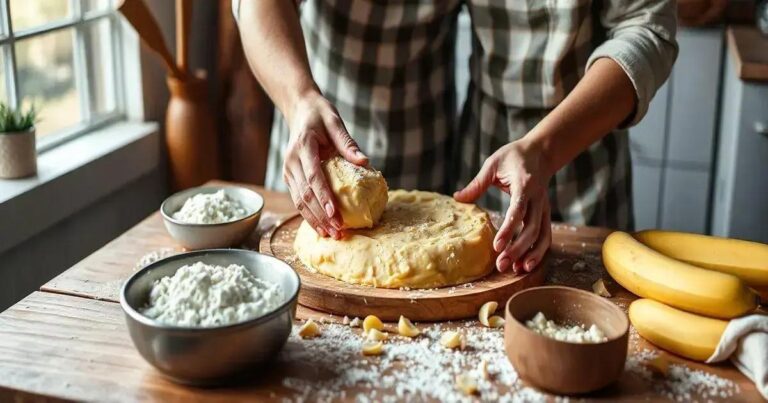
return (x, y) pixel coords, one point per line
(744, 259)
(685, 334)
(649, 274)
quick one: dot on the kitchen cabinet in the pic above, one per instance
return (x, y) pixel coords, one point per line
(646, 182)
(741, 185)
(673, 146)
(685, 199)
(694, 91)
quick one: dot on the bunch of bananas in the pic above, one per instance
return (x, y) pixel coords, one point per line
(690, 285)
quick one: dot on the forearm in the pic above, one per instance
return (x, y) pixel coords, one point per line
(274, 47)
(599, 103)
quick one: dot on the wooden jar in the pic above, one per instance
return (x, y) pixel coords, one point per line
(191, 133)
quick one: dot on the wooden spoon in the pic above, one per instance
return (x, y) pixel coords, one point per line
(137, 13)
(183, 23)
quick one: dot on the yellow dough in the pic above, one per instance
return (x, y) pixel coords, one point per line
(361, 193)
(424, 240)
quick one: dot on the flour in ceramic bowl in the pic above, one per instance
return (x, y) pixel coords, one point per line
(201, 295)
(210, 208)
(571, 334)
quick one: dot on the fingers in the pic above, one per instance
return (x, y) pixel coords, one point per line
(344, 143)
(305, 212)
(309, 198)
(479, 184)
(313, 171)
(534, 256)
(512, 220)
(527, 237)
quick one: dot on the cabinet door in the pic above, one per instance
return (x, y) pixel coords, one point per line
(741, 196)
(677, 136)
(693, 106)
(685, 199)
(646, 181)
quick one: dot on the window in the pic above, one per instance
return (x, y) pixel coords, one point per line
(61, 56)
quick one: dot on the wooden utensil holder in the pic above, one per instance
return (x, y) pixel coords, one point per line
(191, 133)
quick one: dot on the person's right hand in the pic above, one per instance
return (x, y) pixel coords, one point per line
(317, 133)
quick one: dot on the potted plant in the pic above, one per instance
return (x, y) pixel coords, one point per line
(18, 154)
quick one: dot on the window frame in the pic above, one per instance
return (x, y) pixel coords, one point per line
(79, 21)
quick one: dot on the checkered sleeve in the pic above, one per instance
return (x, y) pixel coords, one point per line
(641, 39)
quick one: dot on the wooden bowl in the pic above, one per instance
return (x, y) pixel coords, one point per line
(558, 366)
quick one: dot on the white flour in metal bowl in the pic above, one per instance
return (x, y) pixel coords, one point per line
(210, 208)
(201, 295)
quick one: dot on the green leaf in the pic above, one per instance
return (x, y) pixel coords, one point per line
(16, 120)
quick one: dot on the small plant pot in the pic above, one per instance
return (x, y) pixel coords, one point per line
(18, 155)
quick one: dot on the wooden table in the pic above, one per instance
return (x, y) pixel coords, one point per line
(69, 340)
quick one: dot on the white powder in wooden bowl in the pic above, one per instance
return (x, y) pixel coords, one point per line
(201, 295)
(571, 334)
(210, 208)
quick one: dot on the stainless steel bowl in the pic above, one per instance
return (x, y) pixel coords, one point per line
(206, 356)
(204, 236)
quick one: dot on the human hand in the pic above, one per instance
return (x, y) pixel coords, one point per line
(519, 170)
(317, 133)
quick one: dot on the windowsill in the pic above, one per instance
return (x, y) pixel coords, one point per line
(74, 175)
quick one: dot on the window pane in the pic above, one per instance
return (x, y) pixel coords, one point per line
(101, 67)
(47, 78)
(3, 26)
(28, 14)
(3, 78)
(95, 5)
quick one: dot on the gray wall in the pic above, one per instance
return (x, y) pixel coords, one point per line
(26, 267)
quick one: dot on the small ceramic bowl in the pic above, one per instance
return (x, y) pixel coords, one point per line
(558, 366)
(210, 236)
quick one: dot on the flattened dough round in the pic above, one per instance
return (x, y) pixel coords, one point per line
(361, 193)
(424, 240)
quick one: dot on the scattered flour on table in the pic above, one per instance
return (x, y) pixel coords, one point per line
(682, 384)
(414, 369)
(153, 257)
(420, 369)
(201, 295)
(210, 208)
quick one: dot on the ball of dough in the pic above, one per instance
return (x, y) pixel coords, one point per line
(424, 240)
(361, 193)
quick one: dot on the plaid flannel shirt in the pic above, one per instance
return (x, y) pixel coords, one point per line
(388, 66)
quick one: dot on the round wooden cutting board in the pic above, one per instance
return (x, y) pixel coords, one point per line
(327, 294)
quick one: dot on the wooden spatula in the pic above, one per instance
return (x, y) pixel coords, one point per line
(137, 13)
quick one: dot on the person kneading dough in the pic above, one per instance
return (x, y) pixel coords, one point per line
(361, 193)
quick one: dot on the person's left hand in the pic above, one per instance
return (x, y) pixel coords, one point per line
(518, 170)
